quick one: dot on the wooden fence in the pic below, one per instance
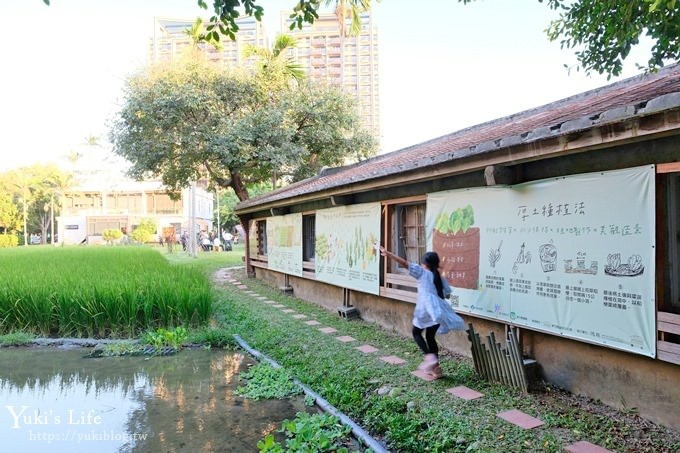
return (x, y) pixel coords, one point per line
(497, 363)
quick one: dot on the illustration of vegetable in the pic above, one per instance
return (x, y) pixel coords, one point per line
(614, 267)
(459, 220)
(495, 255)
(458, 242)
(361, 249)
(321, 248)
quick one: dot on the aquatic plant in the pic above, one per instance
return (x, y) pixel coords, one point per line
(309, 432)
(98, 292)
(264, 381)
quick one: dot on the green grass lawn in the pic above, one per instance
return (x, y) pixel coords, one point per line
(412, 415)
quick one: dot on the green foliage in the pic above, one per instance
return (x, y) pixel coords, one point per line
(309, 433)
(146, 231)
(182, 122)
(10, 219)
(603, 32)
(161, 337)
(16, 339)
(276, 68)
(264, 382)
(110, 235)
(8, 240)
(212, 337)
(98, 292)
(121, 348)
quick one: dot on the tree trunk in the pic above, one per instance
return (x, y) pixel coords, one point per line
(239, 187)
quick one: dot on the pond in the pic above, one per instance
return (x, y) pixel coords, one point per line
(56, 400)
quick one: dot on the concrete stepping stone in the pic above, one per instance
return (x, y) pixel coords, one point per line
(585, 447)
(269, 302)
(328, 330)
(278, 306)
(519, 418)
(345, 339)
(261, 298)
(236, 282)
(312, 323)
(300, 316)
(464, 393)
(288, 310)
(367, 349)
(423, 375)
(393, 360)
(242, 287)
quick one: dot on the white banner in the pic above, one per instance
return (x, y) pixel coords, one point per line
(284, 243)
(573, 256)
(345, 253)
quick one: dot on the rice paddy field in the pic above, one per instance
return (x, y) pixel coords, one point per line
(98, 292)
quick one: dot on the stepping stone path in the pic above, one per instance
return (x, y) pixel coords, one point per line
(464, 393)
(393, 360)
(513, 416)
(423, 375)
(585, 447)
(519, 418)
(367, 349)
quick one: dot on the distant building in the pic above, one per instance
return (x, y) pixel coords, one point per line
(103, 199)
(170, 41)
(350, 62)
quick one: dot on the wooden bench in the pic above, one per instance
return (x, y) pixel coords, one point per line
(667, 323)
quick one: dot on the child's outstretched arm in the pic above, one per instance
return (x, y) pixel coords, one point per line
(397, 258)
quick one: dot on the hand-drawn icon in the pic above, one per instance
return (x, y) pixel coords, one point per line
(523, 257)
(547, 253)
(495, 255)
(580, 265)
(614, 267)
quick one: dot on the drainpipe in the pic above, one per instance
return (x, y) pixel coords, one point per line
(357, 430)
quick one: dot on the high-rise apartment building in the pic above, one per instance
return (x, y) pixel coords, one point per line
(170, 41)
(325, 54)
(347, 61)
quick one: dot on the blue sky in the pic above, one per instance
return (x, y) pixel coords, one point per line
(443, 66)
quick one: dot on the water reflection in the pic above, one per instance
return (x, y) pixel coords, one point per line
(53, 400)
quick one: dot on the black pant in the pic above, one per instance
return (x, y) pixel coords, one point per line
(429, 344)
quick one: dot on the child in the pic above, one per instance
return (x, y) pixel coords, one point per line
(428, 314)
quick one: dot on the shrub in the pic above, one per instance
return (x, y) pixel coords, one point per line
(8, 240)
(111, 235)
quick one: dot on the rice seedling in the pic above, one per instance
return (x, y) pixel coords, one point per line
(98, 292)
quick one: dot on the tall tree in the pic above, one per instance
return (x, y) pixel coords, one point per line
(276, 67)
(195, 121)
(603, 32)
(10, 218)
